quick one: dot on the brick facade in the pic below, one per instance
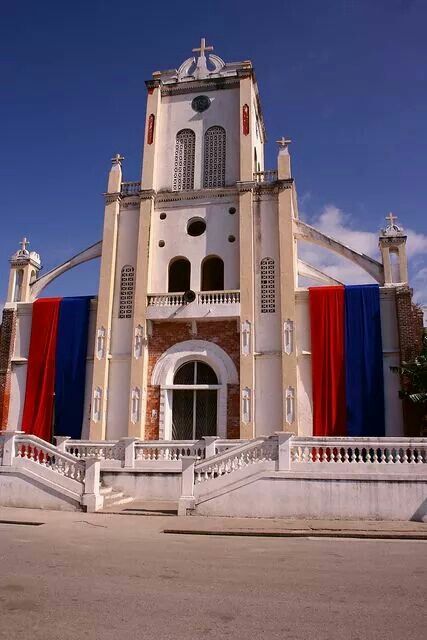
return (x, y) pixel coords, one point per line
(410, 328)
(7, 341)
(164, 335)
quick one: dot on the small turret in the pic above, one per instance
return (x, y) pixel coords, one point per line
(284, 159)
(392, 244)
(24, 267)
(115, 175)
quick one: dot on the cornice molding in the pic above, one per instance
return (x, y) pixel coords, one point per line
(196, 86)
(198, 194)
(112, 197)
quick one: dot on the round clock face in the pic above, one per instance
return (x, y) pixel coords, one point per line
(201, 103)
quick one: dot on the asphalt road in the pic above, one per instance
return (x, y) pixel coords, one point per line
(108, 577)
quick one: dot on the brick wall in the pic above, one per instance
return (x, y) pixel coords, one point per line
(410, 328)
(224, 333)
(7, 341)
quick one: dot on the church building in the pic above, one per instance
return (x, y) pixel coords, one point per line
(202, 325)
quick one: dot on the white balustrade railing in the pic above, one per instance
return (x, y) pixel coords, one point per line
(222, 445)
(218, 297)
(28, 447)
(165, 299)
(386, 453)
(231, 296)
(252, 452)
(270, 175)
(169, 450)
(130, 188)
(104, 449)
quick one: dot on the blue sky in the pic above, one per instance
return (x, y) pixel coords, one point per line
(345, 79)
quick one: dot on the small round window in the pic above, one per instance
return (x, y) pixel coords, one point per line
(196, 227)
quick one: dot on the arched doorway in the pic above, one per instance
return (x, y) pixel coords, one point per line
(179, 275)
(213, 274)
(194, 401)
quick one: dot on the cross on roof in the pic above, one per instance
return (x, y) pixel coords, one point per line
(202, 47)
(24, 242)
(391, 218)
(284, 142)
(117, 159)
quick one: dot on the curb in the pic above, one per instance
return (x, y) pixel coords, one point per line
(319, 533)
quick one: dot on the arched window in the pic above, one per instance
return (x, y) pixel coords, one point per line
(212, 274)
(127, 286)
(268, 286)
(183, 175)
(214, 158)
(194, 409)
(179, 275)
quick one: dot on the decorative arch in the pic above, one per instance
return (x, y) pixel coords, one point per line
(214, 157)
(171, 360)
(182, 352)
(92, 252)
(185, 148)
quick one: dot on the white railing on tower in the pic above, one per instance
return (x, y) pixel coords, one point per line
(231, 296)
(130, 188)
(270, 175)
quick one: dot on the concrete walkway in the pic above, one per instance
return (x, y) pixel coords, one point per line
(161, 516)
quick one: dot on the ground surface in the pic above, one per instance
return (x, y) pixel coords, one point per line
(106, 576)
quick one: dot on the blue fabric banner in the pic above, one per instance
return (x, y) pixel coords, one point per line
(70, 373)
(364, 361)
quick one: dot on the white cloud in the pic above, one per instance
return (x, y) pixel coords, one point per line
(334, 222)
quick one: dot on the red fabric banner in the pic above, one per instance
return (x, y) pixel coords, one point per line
(39, 394)
(327, 360)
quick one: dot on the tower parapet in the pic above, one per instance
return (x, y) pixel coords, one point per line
(24, 267)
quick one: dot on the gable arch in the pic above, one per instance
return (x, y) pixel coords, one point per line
(182, 352)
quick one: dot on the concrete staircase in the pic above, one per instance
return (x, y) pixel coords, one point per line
(114, 499)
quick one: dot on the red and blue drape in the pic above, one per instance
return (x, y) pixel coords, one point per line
(347, 361)
(54, 396)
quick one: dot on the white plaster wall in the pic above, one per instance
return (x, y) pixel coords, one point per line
(145, 486)
(393, 405)
(279, 495)
(19, 491)
(220, 224)
(266, 231)
(17, 395)
(127, 243)
(118, 398)
(268, 395)
(175, 113)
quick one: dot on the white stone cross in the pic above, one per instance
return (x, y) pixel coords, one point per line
(391, 218)
(117, 159)
(284, 142)
(202, 48)
(23, 244)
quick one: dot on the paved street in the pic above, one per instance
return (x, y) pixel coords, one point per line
(103, 576)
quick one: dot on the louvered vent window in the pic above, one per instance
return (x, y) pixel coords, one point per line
(214, 158)
(183, 175)
(268, 286)
(127, 286)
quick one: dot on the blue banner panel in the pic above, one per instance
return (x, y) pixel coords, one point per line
(71, 349)
(364, 361)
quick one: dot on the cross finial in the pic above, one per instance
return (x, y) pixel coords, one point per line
(202, 48)
(117, 159)
(284, 142)
(24, 242)
(391, 218)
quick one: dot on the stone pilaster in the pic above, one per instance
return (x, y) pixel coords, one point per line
(98, 421)
(7, 342)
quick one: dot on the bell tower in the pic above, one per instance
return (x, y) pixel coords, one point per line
(24, 267)
(392, 243)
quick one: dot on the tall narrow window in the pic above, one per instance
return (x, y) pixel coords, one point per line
(179, 275)
(127, 285)
(183, 175)
(214, 158)
(268, 286)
